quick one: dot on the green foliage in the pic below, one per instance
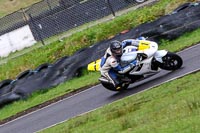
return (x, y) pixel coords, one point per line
(10, 6)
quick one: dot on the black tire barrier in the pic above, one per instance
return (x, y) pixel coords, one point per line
(79, 51)
(42, 67)
(170, 26)
(80, 71)
(8, 98)
(5, 83)
(24, 74)
(60, 60)
(5, 86)
(182, 7)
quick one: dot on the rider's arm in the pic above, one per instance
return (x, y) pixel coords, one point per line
(122, 70)
(116, 66)
(129, 42)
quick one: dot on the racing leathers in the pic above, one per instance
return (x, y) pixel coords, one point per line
(110, 65)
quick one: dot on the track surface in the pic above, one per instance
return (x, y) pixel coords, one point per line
(96, 97)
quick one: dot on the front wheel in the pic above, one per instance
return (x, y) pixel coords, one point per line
(171, 61)
(109, 86)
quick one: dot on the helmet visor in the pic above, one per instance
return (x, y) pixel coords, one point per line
(117, 51)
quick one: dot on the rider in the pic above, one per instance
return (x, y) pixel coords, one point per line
(110, 62)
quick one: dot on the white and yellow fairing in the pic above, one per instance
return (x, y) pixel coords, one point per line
(143, 44)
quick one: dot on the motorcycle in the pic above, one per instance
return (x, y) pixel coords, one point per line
(147, 67)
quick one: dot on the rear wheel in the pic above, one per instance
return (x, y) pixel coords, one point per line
(109, 86)
(171, 61)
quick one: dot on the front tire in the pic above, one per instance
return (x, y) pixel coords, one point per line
(171, 61)
(111, 87)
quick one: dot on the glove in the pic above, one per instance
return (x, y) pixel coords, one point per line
(133, 63)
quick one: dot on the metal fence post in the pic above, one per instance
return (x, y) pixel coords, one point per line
(38, 32)
(110, 6)
(24, 15)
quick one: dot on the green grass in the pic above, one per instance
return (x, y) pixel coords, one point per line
(10, 6)
(173, 107)
(85, 38)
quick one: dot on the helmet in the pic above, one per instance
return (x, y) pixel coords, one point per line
(116, 48)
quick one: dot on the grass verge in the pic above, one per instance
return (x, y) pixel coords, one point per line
(10, 6)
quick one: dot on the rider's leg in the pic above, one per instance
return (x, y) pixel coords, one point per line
(111, 75)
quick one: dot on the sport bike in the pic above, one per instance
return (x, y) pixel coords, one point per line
(145, 67)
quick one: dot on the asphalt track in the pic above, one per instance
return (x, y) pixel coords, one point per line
(96, 97)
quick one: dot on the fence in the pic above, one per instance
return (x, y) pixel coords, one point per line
(51, 17)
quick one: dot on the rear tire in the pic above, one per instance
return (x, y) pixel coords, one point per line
(171, 61)
(111, 87)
